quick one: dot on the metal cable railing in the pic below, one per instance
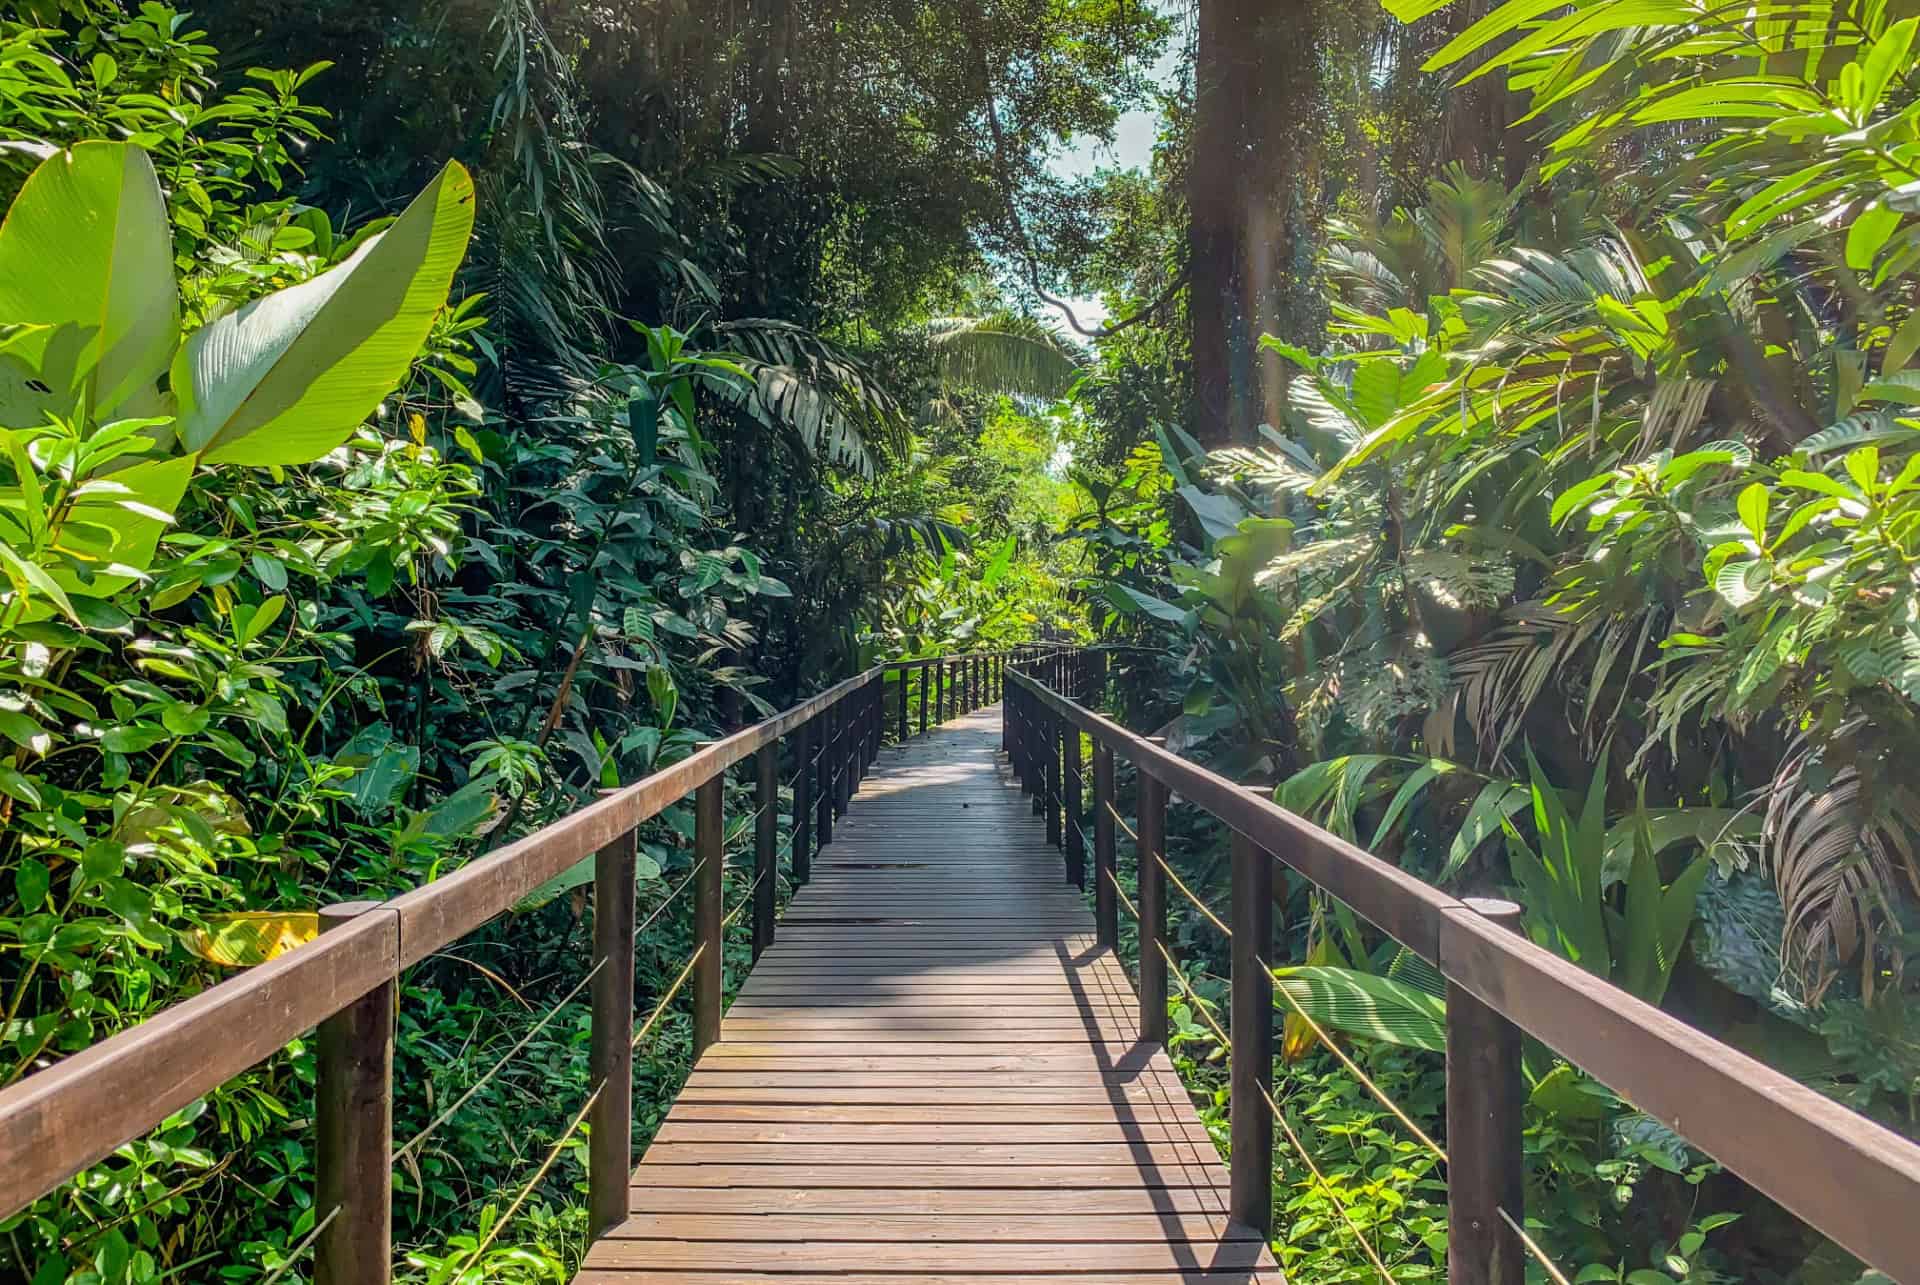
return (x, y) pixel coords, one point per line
(1279, 1117)
(1326, 1041)
(1040, 732)
(295, 1254)
(673, 989)
(1193, 897)
(347, 981)
(520, 1197)
(412, 1144)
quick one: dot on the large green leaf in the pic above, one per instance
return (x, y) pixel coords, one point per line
(1132, 601)
(287, 378)
(1220, 515)
(1366, 1005)
(85, 251)
(1657, 919)
(114, 526)
(578, 875)
(1496, 804)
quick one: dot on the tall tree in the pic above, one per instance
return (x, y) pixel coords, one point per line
(1255, 131)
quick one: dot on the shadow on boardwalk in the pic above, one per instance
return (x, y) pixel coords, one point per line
(934, 1076)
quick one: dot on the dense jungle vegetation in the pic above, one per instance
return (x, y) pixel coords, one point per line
(421, 414)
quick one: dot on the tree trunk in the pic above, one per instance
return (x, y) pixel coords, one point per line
(1255, 80)
(1478, 128)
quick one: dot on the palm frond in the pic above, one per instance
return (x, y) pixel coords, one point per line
(1837, 846)
(1005, 353)
(832, 400)
(1500, 677)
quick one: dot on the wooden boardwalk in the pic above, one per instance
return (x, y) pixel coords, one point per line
(933, 1077)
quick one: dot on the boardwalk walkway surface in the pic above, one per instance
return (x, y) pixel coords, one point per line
(933, 1077)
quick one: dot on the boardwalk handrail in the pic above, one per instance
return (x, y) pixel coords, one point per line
(57, 1121)
(1844, 1175)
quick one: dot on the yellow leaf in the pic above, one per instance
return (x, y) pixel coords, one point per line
(1296, 1037)
(248, 937)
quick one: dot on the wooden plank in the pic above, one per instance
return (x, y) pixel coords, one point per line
(1130, 1155)
(918, 1091)
(894, 1201)
(786, 1176)
(744, 1074)
(879, 1256)
(968, 1230)
(822, 1130)
(957, 1039)
(1097, 1111)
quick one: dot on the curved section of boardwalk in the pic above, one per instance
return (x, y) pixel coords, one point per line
(933, 1077)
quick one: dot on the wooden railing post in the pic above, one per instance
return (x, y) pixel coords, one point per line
(1010, 720)
(710, 852)
(1006, 722)
(610, 1046)
(939, 691)
(1106, 907)
(1251, 1058)
(823, 806)
(875, 705)
(926, 687)
(803, 773)
(1056, 794)
(900, 728)
(1153, 910)
(766, 837)
(353, 1129)
(1070, 826)
(1039, 746)
(1486, 1163)
(1023, 741)
(847, 739)
(856, 739)
(870, 737)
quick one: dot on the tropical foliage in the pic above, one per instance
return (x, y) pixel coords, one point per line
(364, 503)
(387, 471)
(1579, 564)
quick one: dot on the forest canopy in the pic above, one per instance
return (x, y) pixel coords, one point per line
(1485, 425)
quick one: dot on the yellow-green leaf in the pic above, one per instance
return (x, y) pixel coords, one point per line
(289, 377)
(248, 937)
(1870, 230)
(85, 250)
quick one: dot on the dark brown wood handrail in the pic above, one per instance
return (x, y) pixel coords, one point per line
(1843, 1174)
(56, 1122)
